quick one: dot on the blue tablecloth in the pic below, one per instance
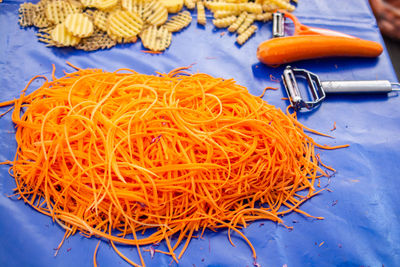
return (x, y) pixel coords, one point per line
(361, 225)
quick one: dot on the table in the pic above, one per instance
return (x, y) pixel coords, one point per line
(361, 225)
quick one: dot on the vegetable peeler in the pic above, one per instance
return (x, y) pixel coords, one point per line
(310, 43)
(318, 89)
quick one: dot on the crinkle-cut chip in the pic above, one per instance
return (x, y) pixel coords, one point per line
(284, 5)
(239, 21)
(58, 10)
(155, 13)
(264, 17)
(219, 14)
(106, 4)
(269, 7)
(201, 13)
(244, 36)
(137, 6)
(27, 12)
(79, 25)
(246, 23)
(156, 38)
(98, 40)
(124, 24)
(100, 19)
(178, 22)
(224, 22)
(63, 37)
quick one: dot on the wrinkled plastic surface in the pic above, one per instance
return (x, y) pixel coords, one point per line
(361, 225)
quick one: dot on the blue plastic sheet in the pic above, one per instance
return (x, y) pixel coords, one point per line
(361, 212)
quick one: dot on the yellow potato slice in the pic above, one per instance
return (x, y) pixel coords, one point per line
(27, 12)
(106, 4)
(156, 38)
(173, 6)
(63, 37)
(79, 25)
(57, 11)
(89, 3)
(98, 40)
(155, 13)
(137, 6)
(124, 24)
(100, 19)
(178, 22)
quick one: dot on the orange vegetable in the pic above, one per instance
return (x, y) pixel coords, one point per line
(113, 154)
(284, 50)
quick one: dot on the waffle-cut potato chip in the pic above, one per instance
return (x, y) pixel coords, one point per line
(178, 22)
(122, 40)
(27, 12)
(58, 10)
(98, 40)
(156, 38)
(100, 19)
(125, 24)
(173, 6)
(129, 40)
(155, 13)
(89, 3)
(41, 5)
(44, 36)
(190, 4)
(79, 25)
(63, 37)
(137, 6)
(90, 13)
(76, 6)
(41, 20)
(106, 4)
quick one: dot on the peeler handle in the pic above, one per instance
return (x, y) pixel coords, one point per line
(356, 87)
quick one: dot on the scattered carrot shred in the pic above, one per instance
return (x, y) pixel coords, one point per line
(95, 254)
(334, 126)
(151, 52)
(113, 154)
(274, 79)
(265, 90)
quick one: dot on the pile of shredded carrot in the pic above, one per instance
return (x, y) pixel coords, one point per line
(113, 154)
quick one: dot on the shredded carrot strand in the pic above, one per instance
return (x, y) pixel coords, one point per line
(151, 52)
(113, 154)
(95, 254)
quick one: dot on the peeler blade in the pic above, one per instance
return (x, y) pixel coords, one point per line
(278, 24)
(292, 89)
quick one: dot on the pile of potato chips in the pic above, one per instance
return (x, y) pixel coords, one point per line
(100, 24)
